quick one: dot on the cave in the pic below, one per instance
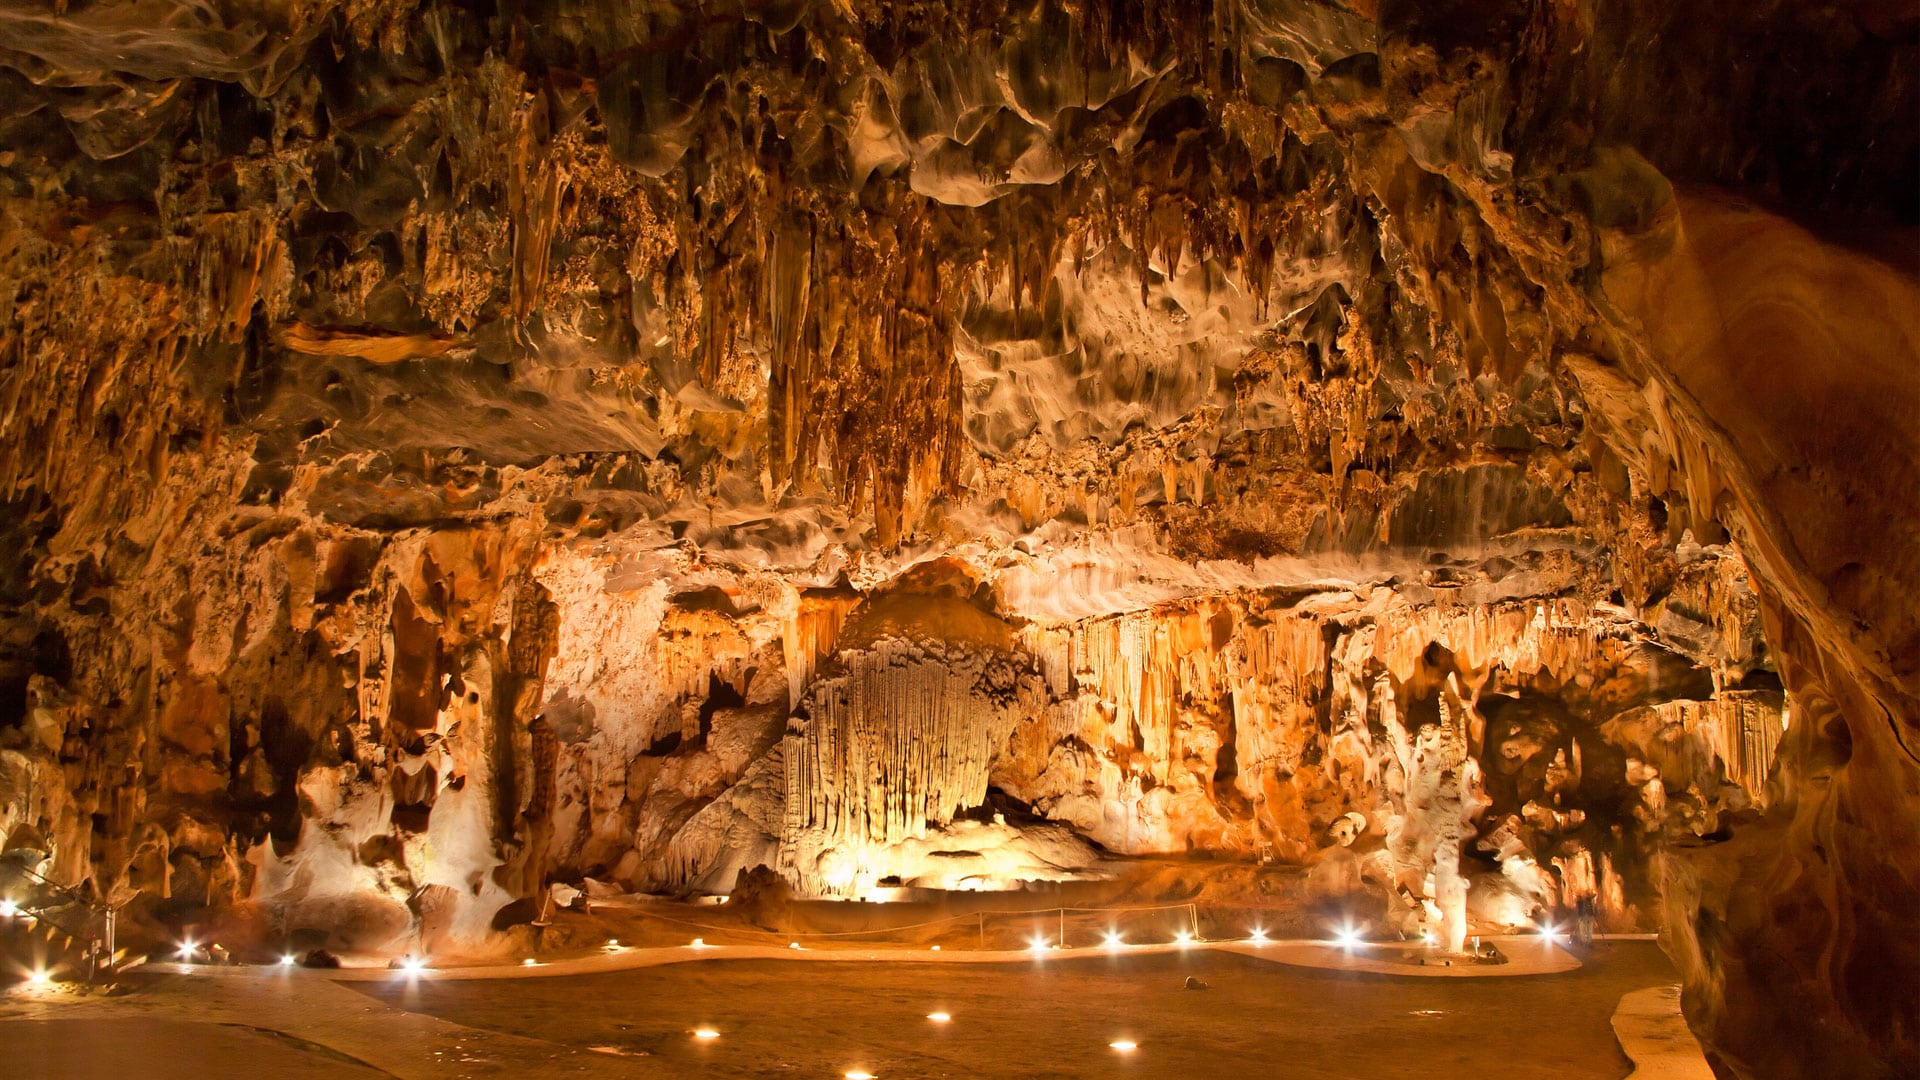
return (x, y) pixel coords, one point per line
(1163, 537)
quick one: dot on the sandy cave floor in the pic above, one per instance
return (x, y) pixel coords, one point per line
(779, 1018)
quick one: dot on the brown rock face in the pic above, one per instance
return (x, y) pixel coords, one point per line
(1464, 450)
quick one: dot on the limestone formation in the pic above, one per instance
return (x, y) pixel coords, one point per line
(1463, 451)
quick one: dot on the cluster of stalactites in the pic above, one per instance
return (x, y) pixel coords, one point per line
(902, 741)
(845, 277)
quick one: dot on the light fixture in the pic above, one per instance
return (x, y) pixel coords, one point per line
(1259, 934)
(413, 965)
(286, 960)
(39, 977)
(939, 1017)
(1114, 940)
(1347, 937)
(859, 1074)
(1183, 938)
(8, 909)
(185, 951)
(793, 945)
(698, 943)
(529, 962)
(705, 1033)
(613, 943)
(936, 948)
(1125, 1046)
(1038, 945)
(1550, 932)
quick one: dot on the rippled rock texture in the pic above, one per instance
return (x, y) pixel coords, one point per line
(450, 449)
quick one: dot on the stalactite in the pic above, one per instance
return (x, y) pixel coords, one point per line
(904, 740)
(809, 637)
(1695, 744)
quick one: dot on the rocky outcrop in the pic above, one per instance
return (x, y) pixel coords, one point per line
(449, 450)
(1746, 300)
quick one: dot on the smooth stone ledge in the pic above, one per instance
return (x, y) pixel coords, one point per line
(1655, 1036)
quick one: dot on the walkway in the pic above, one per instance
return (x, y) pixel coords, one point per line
(291, 1023)
(1527, 955)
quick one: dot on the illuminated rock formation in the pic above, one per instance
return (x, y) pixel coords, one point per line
(449, 450)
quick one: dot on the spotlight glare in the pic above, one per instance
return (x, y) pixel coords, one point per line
(859, 1074)
(1038, 945)
(793, 945)
(1347, 937)
(936, 948)
(39, 977)
(529, 962)
(185, 951)
(413, 965)
(1125, 1046)
(1114, 940)
(1183, 938)
(705, 1033)
(1259, 933)
(698, 943)
(286, 960)
(9, 909)
(939, 1017)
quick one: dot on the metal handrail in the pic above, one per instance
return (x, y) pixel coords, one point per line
(95, 909)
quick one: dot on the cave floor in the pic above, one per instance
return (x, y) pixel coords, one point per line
(1031, 1019)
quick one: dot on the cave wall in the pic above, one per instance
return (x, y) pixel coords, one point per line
(447, 447)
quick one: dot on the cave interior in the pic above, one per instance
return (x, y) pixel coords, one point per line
(1448, 467)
